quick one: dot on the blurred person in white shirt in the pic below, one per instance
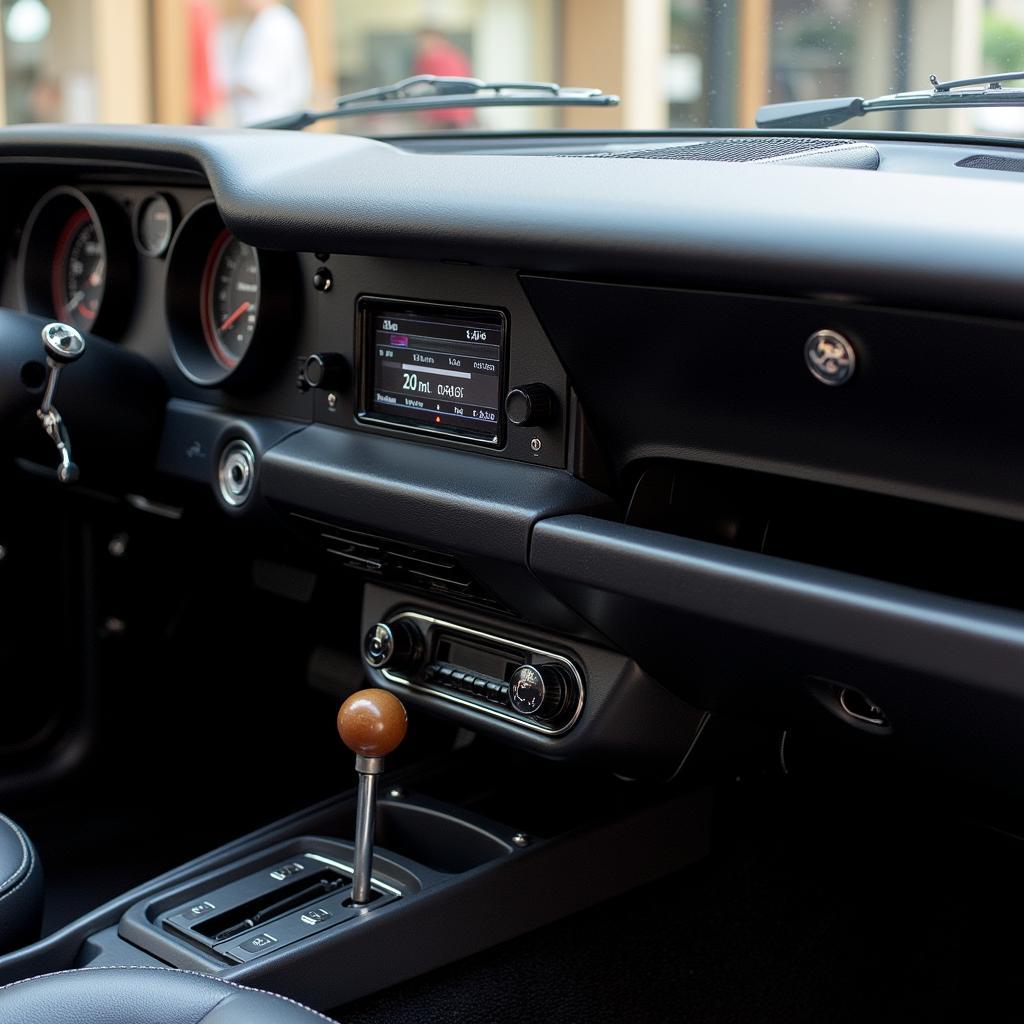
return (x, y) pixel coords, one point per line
(272, 74)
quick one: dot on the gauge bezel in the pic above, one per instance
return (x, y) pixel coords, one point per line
(140, 206)
(38, 254)
(186, 296)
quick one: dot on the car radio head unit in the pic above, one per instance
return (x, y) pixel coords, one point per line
(434, 369)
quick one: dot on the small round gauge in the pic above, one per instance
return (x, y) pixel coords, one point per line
(154, 225)
(79, 271)
(230, 297)
(77, 263)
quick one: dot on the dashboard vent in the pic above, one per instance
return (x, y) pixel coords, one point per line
(764, 150)
(401, 565)
(987, 162)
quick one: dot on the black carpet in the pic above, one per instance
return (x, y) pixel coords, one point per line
(807, 912)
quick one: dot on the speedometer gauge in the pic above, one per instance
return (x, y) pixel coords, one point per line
(79, 272)
(230, 297)
(229, 306)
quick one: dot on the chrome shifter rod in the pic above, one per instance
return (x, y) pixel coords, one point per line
(62, 345)
(368, 769)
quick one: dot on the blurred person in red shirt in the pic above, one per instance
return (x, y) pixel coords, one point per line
(206, 93)
(437, 55)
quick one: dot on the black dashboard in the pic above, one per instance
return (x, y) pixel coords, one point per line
(738, 432)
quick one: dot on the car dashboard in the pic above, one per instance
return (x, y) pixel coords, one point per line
(736, 409)
(608, 446)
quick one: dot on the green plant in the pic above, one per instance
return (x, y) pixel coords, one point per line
(1002, 42)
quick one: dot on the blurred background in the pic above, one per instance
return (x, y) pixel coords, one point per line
(676, 63)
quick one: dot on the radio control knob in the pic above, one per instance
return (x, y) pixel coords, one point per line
(323, 370)
(538, 690)
(529, 404)
(396, 645)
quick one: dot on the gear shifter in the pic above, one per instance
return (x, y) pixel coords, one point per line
(371, 723)
(62, 345)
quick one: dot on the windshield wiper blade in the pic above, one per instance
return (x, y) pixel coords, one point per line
(440, 92)
(984, 91)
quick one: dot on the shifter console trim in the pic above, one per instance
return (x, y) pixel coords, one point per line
(272, 907)
(347, 869)
(416, 682)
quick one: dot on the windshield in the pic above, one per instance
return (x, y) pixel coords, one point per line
(675, 63)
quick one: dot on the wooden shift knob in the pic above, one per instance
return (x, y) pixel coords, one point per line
(372, 723)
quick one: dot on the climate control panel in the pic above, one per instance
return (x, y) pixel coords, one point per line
(534, 688)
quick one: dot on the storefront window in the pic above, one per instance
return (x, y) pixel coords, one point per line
(686, 86)
(496, 40)
(675, 63)
(48, 61)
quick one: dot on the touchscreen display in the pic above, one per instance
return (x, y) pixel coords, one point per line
(437, 370)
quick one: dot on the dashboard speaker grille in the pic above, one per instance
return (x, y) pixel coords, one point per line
(761, 149)
(987, 162)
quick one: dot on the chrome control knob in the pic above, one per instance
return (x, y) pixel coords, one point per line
(62, 345)
(396, 645)
(538, 690)
(236, 472)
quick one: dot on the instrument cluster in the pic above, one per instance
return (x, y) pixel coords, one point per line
(83, 253)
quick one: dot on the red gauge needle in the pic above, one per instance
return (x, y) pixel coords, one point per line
(96, 277)
(234, 316)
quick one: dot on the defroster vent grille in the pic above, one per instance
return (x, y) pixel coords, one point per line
(761, 149)
(990, 162)
(395, 563)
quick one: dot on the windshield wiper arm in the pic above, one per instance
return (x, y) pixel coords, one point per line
(440, 92)
(984, 91)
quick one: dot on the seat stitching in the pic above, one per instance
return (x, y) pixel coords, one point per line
(24, 849)
(171, 970)
(27, 857)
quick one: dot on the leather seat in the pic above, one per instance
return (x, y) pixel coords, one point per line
(21, 888)
(145, 995)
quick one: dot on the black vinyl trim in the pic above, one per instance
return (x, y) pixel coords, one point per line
(913, 630)
(790, 228)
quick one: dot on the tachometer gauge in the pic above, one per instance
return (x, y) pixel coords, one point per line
(230, 297)
(79, 272)
(77, 263)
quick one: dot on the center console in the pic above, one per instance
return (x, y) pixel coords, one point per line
(440, 859)
(521, 684)
(447, 882)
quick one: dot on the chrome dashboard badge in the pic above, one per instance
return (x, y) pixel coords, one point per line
(830, 357)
